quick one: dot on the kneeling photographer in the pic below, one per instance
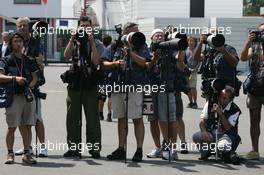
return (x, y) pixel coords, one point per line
(219, 125)
(254, 84)
(219, 60)
(83, 79)
(20, 71)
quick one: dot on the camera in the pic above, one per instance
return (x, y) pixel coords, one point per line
(259, 36)
(215, 40)
(118, 29)
(177, 43)
(28, 92)
(211, 87)
(39, 94)
(137, 39)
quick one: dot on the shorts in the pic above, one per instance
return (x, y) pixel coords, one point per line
(38, 110)
(179, 106)
(254, 102)
(162, 107)
(193, 80)
(21, 112)
(135, 102)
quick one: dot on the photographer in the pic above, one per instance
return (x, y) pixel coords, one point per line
(19, 69)
(32, 48)
(133, 75)
(225, 125)
(219, 60)
(4, 49)
(107, 41)
(83, 79)
(254, 85)
(166, 60)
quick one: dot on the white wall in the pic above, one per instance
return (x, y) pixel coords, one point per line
(223, 8)
(52, 9)
(168, 8)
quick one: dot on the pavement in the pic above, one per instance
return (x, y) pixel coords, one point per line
(54, 114)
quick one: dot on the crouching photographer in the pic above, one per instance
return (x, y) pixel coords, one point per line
(219, 60)
(82, 79)
(21, 72)
(219, 125)
(254, 84)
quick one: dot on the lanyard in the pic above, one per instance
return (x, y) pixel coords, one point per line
(20, 70)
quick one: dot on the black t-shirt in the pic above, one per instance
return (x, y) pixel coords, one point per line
(12, 66)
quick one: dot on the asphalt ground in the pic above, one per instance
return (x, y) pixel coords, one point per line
(54, 114)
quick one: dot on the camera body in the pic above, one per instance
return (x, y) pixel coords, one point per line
(28, 92)
(259, 35)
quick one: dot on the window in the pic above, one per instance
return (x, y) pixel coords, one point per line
(27, 1)
(197, 8)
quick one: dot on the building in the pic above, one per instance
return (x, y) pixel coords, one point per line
(47, 10)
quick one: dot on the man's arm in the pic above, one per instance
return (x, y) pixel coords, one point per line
(69, 48)
(142, 62)
(246, 52)
(5, 78)
(229, 57)
(34, 79)
(197, 55)
(180, 63)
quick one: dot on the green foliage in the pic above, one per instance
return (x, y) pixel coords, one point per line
(252, 7)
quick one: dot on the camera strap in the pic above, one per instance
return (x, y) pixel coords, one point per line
(20, 69)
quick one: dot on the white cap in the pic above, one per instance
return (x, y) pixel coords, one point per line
(156, 31)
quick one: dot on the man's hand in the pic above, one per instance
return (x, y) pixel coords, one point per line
(206, 136)
(120, 63)
(20, 80)
(251, 36)
(156, 56)
(216, 108)
(91, 38)
(221, 49)
(203, 38)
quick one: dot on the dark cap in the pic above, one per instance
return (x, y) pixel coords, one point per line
(129, 25)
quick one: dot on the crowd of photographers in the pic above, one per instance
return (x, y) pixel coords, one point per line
(170, 64)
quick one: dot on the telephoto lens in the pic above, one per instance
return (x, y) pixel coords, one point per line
(216, 40)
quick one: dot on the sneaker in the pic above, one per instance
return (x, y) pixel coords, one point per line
(156, 153)
(21, 151)
(10, 158)
(253, 155)
(109, 117)
(72, 153)
(43, 152)
(166, 150)
(189, 105)
(138, 155)
(95, 154)
(28, 159)
(118, 154)
(184, 148)
(165, 155)
(194, 105)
